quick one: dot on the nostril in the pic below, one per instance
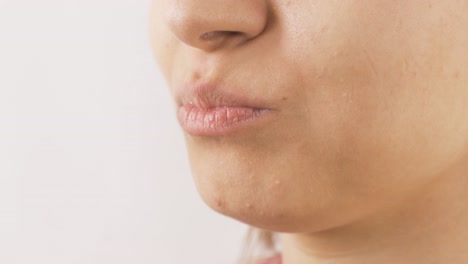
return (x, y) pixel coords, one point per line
(216, 34)
(210, 35)
(216, 24)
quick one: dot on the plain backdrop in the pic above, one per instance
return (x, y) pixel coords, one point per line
(92, 162)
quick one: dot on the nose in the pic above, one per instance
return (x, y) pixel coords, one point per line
(210, 25)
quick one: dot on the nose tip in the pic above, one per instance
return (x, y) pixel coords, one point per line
(213, 24)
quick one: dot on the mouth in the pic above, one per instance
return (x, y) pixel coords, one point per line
(208, 110)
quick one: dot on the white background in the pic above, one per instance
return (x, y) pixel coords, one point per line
(92, 163)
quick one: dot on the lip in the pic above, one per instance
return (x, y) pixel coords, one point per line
(209, 110)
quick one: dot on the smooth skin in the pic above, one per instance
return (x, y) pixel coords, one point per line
(365, 158)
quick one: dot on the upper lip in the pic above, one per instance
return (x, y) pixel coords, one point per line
(207, 95)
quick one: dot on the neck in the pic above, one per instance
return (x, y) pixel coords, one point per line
(429, 227)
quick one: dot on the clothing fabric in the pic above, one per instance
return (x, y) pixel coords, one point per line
(273, 260)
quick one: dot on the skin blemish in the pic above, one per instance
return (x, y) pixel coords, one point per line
(321, 72)
(284, 98)
(277, 182)
(337, 54)
(248, 205)
(219, 202)
(324, 29)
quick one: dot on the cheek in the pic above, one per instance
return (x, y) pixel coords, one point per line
(378, 97)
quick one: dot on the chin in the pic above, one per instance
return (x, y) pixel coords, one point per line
(266, 191)
(247, 201)
(285, 185)
(263, 216)
(266, 206)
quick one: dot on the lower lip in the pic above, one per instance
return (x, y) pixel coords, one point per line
(219, 121)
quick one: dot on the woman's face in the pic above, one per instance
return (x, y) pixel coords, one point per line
(347, 106)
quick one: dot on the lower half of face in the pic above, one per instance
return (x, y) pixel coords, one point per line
(370, 103)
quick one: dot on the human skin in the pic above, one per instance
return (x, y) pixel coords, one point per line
(364, 156)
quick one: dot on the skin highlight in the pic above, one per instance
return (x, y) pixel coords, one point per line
(365, 156)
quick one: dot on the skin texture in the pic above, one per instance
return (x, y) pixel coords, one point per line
(365, 156)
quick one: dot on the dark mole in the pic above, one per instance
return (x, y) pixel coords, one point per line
(285, 98)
